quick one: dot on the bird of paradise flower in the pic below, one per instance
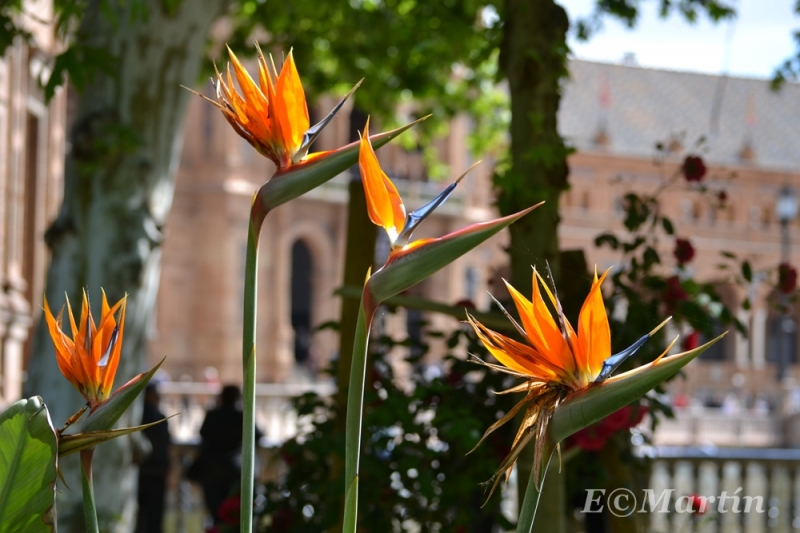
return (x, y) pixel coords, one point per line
(555, 360)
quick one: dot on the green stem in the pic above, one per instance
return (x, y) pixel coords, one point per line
(527, 512)
(355, 411)
(249, 369)
(89, 507)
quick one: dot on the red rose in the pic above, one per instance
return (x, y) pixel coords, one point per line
(228, 510)
(619, 419)
(684, 251)
(674, 293)
(699, 504)
(691, 341)
(787, 278)
(694, 168)
(469, 304)
(722, 196)
(592, 438)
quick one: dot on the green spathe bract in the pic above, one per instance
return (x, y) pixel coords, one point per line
(583, 408)
(28, 455)
(301, 178)
(105, 415)
(409, 268)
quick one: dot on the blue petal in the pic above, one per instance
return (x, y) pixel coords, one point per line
(613, 362)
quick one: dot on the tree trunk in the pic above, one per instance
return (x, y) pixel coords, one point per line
(533, 59)
(118, 186)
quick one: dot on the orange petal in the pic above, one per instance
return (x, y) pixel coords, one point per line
(255, 103)
(292, 111)
(526, 356)
(594, 333)
(113, 361)
(265, 79)
(64, 347)
(542, 330)
(578, 357)
(384, 204)
(484, 335)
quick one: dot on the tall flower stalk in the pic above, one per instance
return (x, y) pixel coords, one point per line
(272, 115)
(409, 262)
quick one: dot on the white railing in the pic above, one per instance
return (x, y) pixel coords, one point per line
(697, 427)
(275, 416)
(767, 476)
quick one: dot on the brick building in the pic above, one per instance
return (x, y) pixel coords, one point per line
(302, 251)
(612, 114)
(32, 137)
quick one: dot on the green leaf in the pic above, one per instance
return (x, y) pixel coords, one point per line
(28, 455)
(409, 268)
(584, 408)
(668, 227)
(105, 415)
(68, 444)
(351, 507)
(607, 239)
(299, 179)
(747, 271)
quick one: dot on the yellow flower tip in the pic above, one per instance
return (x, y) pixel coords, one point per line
(464, 175)
(665, 352)
(89, 359)
(658, 327)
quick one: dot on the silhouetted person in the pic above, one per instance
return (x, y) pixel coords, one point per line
(153, 470)
(219, 463)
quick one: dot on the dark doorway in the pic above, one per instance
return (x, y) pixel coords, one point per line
(302, 267)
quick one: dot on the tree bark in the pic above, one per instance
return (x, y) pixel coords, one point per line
(533, 58)
(118, 186)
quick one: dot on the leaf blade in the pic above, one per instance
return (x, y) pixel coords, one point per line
(28, 456)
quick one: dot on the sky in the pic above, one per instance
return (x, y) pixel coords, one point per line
(752, 45)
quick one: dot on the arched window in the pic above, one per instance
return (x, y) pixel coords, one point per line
(302, 268)
(781, 336)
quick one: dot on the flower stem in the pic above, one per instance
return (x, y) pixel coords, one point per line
(355, 411)
(89, 507)
(527, 511)
(249, 371)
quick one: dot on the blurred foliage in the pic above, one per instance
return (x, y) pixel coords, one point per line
(790, 69)
(418, 57)
(417, 432)
(627, 11)
(10, 11)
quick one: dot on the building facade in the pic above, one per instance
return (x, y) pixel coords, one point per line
(614, 115)
(32, 143)
(197, 324)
